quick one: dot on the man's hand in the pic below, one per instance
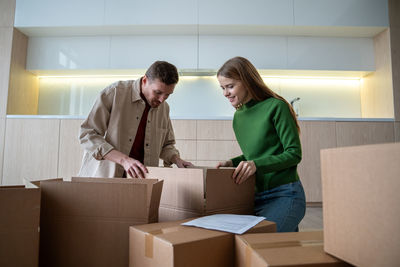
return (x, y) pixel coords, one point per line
(243, 171)
(227, 163)
(181, 163)
(132, 167)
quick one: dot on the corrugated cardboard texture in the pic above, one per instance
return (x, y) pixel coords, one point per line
(361, 201)
(201, 191)
(170, 244)
(19, 226)
(86, 222)
(283, 249)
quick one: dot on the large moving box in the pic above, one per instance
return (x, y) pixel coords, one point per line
(19, 226)
(170, 244)
(283, 249)
(193, 192)
(360, 189)
(86, 222)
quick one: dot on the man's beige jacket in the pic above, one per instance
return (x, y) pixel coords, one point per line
(112, 124)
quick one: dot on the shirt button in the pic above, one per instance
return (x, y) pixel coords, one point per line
(137, 118)
(130, 140)
(147, 144)
(148, 121)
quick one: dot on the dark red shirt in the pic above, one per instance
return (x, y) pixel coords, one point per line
(137, 150)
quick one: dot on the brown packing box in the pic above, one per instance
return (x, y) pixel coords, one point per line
(360, 189)
(85, 222)
(283, 249)
(19, 226)
(193, 192)
(170, 244)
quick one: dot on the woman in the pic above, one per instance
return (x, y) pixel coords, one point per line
(267, 131)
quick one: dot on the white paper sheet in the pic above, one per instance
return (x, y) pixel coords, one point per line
(232, 223)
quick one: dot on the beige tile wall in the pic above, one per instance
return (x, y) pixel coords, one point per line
(46, 148)
(31, 150)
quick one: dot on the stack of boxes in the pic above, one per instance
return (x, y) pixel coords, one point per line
(137, 222)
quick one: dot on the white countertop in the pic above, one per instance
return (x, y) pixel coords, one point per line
(77, 117)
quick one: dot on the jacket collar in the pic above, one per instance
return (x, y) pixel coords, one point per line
(136, 90)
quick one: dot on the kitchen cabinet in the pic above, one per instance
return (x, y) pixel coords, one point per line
(150, 12)
(68, 53)
(49, 148)
(31, 150)
(314, 136)
(237, 12)
(49, 13)
(351, 13)
(329, 53)
(70, 152)
(139, 52)
(265, 52)
(363, 133)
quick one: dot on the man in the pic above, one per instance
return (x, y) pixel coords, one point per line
(129, 127)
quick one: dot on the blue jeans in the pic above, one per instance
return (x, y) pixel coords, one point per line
(285, 205)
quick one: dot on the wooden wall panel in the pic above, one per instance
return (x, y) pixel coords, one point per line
(5, 58)
(70, 152)
(184, 129)
(7, 12)
(207, 163)
(217, 150)
(23, 93)
(397, 131)
(315, 135)
(215, 130)
(363, 133)
(187, 149)
(377, 87)
(31, 150)
(394, 22)
(395, 49)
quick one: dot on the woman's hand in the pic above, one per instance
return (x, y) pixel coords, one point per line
(227, 163)
(243, 171)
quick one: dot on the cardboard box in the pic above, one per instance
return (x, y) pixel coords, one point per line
(19, 226)
(360, 189)
(194, 192)
(86, 222)
(170, 244)
(283, 249)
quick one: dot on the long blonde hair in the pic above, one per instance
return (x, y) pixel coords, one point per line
(241, 69)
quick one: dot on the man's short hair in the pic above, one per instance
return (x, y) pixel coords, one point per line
(163, 71)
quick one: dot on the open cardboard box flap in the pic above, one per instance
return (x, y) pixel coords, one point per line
(190, 192)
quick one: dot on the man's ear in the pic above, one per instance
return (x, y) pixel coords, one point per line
(144, 79)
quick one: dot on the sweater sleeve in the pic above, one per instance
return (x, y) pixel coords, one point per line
(289, 137)
(237, 160)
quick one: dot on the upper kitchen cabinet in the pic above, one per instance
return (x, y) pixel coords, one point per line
(150, 12)
(328, 53)
(50, 13)
(265, 52)
(106, 17)
(140, 51)
(239, 12)
(350, 18)
(68, 53)
(352, 13)
(289, 52)
(110, 52)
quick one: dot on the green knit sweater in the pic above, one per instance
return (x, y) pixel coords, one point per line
(267, 135)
